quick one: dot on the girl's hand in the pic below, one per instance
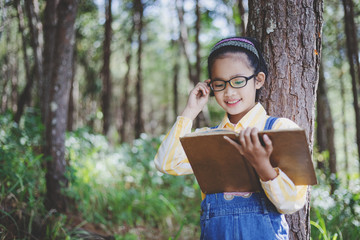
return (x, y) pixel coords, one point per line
(198, 97)
(257, 155)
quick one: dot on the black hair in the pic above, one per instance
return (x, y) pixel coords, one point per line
(257, 63)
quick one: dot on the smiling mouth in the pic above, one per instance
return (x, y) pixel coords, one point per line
(232, 102)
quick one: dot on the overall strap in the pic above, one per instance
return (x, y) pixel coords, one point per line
(270, 122)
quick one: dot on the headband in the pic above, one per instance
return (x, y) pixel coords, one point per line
(236, 42)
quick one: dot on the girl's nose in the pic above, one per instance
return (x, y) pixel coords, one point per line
(229, 90)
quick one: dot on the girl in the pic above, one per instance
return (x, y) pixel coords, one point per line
(237, 72)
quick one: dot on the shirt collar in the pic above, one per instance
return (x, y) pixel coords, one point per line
(254, 118)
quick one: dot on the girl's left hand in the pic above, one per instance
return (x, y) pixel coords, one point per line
(257, 155)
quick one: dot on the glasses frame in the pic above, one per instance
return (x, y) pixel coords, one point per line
(229, 81)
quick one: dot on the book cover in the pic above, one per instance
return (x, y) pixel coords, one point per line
(219, 167)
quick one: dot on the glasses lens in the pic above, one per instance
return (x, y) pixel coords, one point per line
(218, 85)
(238, 82)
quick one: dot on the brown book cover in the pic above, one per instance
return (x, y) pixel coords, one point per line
(219, 167)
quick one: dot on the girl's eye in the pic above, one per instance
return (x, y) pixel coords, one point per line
(218, 84)
(238, 82)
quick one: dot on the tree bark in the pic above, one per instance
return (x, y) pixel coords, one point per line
(6, 70)
(5, 75)
(125, 94)
(71, 109)
(194, 73)
(59, 100)
(36, 39)
(125, 100)
(197, 43)
(139, 122)
(290, 34)
(25, 96)
(10, 66)
(201, 117)
(344, 128)
(184, 39)
(49, 25)
(353, 58)
(176, 70)
(242, 26)
(105, 72)
(325, 130)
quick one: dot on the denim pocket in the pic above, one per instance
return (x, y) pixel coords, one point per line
(279, 225)
(218, 227)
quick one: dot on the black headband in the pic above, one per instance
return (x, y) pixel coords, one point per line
(236, 42)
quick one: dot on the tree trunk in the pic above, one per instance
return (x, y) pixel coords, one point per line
(6, 79)
(325, 129)
(139, 122)
(194, 74)
(71, 110)
(201, 117)
(59, 100)
(352, 53)
(176, 70)
(25, 96)
(242, 27)
(197, 43)
(125, 100)
(184, 39)
(344, 129)
(49, 24)
(290, 34)
(6, 69)
(105, 72)
(125, 93)
(36, 39)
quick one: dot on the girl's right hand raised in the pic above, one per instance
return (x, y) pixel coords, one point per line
(198, 98)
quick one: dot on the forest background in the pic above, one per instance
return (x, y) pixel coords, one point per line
(128, 67)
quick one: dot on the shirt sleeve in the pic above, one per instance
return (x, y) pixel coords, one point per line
(284, 194)
(281, 191)
(171, 158)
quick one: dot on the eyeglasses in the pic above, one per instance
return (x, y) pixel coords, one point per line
(235, 82)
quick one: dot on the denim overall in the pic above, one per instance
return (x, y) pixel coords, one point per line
(253, 216)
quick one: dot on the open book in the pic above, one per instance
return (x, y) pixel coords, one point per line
(219, 167)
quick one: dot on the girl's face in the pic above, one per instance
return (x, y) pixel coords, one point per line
(236, 101)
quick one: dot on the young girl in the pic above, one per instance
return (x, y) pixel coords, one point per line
(237, 72)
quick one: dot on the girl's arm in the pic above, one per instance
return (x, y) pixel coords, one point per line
(284, 194)
(281, 191)
(171, 158)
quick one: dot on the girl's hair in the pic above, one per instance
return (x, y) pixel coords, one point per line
(249, 46)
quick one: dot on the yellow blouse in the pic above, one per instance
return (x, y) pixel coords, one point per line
(281, 191)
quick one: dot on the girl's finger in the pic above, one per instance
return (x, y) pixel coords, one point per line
(202, 91)
(242, 138)
(247, 137)
(199, 89)
(254, 136)
(268, 143)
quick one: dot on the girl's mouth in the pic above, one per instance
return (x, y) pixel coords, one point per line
(232, 102)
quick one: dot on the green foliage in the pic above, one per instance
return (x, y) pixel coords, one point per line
(119, 185)
(19, 159)
(335, 216)
(22, 181)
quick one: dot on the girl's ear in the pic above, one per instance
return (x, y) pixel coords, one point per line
(259, 80)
